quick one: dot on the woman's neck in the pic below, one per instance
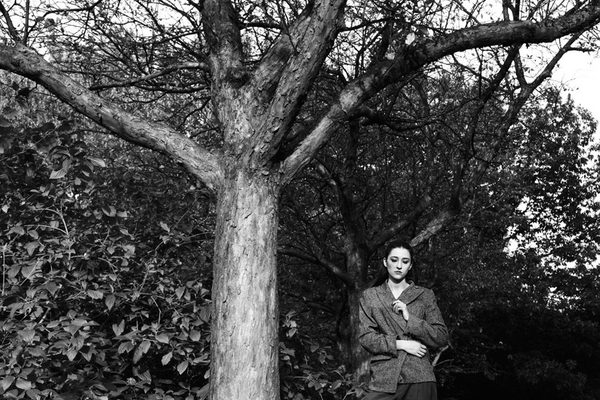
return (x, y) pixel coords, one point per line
(397, 287)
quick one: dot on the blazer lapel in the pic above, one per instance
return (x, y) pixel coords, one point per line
(385, 296)
(411, 294)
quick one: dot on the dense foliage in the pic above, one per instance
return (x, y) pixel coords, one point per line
(106, 248)
(100, 291)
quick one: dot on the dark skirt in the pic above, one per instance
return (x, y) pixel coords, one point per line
(407, 391)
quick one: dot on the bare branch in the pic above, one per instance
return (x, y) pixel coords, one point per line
(512, 113)
(11, 27)
(400, 225)
(434, 226)
(41, 18)
(319, 259)
(145, 78)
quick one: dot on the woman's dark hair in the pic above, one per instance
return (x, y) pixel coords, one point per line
(382, 273)
(398, 244)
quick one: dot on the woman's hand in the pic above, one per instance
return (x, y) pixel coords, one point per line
(400, 307)
(412, 347)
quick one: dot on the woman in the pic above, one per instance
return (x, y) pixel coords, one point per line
(400, 323)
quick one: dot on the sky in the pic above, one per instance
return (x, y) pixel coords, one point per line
(581, 72)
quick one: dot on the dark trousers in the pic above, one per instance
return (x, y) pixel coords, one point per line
(407, 391)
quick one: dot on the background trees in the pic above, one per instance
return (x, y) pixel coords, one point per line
(259, 66)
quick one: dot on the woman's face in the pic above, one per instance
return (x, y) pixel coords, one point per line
(398, 263)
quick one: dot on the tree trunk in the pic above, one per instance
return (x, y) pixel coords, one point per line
(244, 341)
(357, 358)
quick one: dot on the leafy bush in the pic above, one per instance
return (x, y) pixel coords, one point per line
(94, 303)
(308, 367)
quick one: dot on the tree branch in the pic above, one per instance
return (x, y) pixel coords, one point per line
(401, 224)
(285, 74)
(200, 162)
(434, 226)
(512, 113)
(425, 51)
(223, 35)
(11, 28)
(320, 260)
(165, 71)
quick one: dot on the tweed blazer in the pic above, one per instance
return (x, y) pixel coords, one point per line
(381, 326)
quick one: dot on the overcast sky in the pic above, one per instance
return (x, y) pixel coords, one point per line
(581, 71)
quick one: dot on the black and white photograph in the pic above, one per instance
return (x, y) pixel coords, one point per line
(299, 199)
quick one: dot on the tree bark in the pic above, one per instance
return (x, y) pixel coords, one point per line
(244, 341)
(356, 262)
(358, 356)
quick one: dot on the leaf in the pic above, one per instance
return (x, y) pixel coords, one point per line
(71, 354)
(87, 356)
(179, 292)
(162, 338)
(110, 211)
(33, 394)
(182, 366)
(410, 38)
(205, 313)
(97, 162)
(166, 358)
(29, 270)
(27, 335)
(145, 346)
(129, 250)
(119, 329)
(31, 292)
(95, 294)
(51, 287)
(53, 324)
(13, 271)
(125, 347)
(7, 381)
(110, 301)
(31, 247)
(140, 351)
(164, 227)
(23, 384)
(195, 335)
(58, 174)
(17, 229)
(79, 322)
(144, 376)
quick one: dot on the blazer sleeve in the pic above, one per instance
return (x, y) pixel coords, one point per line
(370, 333)
(431, 330)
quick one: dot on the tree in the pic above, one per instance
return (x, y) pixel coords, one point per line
(258, 84)
(426, 150)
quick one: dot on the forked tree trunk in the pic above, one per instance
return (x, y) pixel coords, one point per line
(244, 341)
